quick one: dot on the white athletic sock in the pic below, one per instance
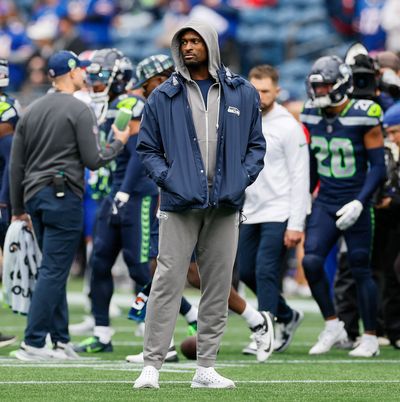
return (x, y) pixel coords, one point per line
(252, 316)
(103, 333)
(331, 324)
(172, 343)
(191, 315)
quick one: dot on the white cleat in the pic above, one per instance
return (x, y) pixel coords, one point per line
(207, 377)
(264, 337)
(148, 378)
(328, 337)
(368, 347)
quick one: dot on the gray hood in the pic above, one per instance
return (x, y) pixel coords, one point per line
(210, 37)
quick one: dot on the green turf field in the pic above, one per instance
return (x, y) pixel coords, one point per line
(290, 376)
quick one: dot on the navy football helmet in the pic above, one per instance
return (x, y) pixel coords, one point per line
(109, 71)
(329, 70)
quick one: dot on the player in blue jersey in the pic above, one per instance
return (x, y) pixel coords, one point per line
(348, 159)
(9, 114)
(126, 214)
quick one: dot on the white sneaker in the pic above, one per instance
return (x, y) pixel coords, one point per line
(67, 349)
(30, 353)
(172, 357)
(85, 327)
(368, 347)
(207, 377)
(328, 337)
(264, 337)
(148, 378)
(284, 332)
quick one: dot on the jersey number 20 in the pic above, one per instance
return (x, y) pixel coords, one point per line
(335, 157)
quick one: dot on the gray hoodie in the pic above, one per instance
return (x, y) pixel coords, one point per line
(205, 117)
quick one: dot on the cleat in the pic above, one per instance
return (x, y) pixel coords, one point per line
(368, 347)
(148, 378)
(264, 337)
(172, 357)
(284, 332)
(328, 338)
(6, 340)
(93, 345)
(83, 328)
(209, 378)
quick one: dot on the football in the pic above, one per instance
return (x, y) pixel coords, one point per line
(188, 347)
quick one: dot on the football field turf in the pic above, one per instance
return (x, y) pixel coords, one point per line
(293, 375)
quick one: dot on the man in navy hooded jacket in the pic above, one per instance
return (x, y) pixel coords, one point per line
(202, 143)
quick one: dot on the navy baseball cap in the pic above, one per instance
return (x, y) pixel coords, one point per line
(152, 66)
(392, 116)
(63, 61)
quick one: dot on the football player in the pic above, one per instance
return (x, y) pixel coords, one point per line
(348, 159)
(126, 214)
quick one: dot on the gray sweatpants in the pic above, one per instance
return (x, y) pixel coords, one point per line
(214, 234)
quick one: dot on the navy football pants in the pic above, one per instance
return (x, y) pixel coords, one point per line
(132, 237)
(321, 235)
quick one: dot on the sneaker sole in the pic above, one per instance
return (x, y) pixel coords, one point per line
(288, 342)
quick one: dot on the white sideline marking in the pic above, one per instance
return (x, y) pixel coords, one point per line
(188, 382)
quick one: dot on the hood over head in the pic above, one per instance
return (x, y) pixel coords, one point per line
(210, 37)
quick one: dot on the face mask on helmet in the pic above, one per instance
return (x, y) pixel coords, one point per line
(329, 82)
(4, 73)
(122, 77)
(104, 72)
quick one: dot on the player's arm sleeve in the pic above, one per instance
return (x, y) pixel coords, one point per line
(87, 134)
(17, 171)
(297, 159)
(150, 147)
(256, 146)
(376, 159)
(133, 169)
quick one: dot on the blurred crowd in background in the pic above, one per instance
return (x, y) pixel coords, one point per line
(288, 34)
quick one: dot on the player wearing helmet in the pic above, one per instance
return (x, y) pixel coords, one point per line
(347, 158)
(126, 214)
